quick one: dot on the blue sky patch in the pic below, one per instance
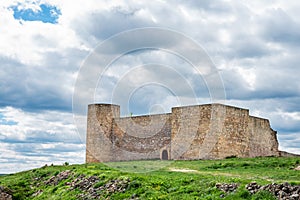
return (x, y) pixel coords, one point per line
(47, 14)
(3, 121)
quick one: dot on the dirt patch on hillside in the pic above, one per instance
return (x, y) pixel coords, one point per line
(183, 170)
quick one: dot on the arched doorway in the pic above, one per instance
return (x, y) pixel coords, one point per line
(164, 155)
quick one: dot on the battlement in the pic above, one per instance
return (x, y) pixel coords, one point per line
(210, 131)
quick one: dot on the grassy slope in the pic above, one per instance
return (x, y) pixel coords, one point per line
(199, 183)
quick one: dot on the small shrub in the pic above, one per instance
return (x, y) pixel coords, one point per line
(244, 194)
(102, 176)
(245, 164)
(43, 175)
(294, 183)
(57, 172)
(215, 166)
(21, 184)
(18, 196)
(54, 189)
(44, 166)
(228, 165)
(99, 184)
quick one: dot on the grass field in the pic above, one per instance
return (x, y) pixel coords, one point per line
(160, 179)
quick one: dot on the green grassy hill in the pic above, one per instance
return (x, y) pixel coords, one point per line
(175, 180)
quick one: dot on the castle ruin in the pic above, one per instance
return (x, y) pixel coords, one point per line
(211, 131)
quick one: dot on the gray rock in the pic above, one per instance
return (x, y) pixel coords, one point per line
(225, 187)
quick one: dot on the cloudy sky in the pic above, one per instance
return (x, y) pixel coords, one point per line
(254, 45)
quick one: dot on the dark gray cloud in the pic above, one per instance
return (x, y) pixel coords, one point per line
(249, 47)
(46, 86)
(97, 26)
(278, 26)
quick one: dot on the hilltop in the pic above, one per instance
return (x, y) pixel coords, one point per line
(233, 178)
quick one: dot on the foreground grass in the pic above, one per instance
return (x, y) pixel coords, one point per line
(170, 180)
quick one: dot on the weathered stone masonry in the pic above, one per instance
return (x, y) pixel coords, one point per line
(211, 131)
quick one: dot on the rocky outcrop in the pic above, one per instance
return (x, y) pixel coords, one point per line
(281, 191)
(87, 185)
(5, 193)
(225, 187)
(284, 191)
(54, 180)
(90, 190)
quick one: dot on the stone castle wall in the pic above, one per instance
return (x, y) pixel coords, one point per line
(263, 139)
(211, 131)
(139, 138)
(222, 132)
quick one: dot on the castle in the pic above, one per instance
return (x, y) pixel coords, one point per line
(211, 131)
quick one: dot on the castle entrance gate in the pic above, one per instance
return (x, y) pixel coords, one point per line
(164, 155)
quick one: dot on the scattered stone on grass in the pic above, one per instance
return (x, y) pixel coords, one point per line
(87, 185)
(5, 193)
(54, 180)
(90, 191)
(253, 187)
(225, 187)
(37, 193)
(282, 191)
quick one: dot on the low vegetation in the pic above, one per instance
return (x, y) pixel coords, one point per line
(200, 179)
